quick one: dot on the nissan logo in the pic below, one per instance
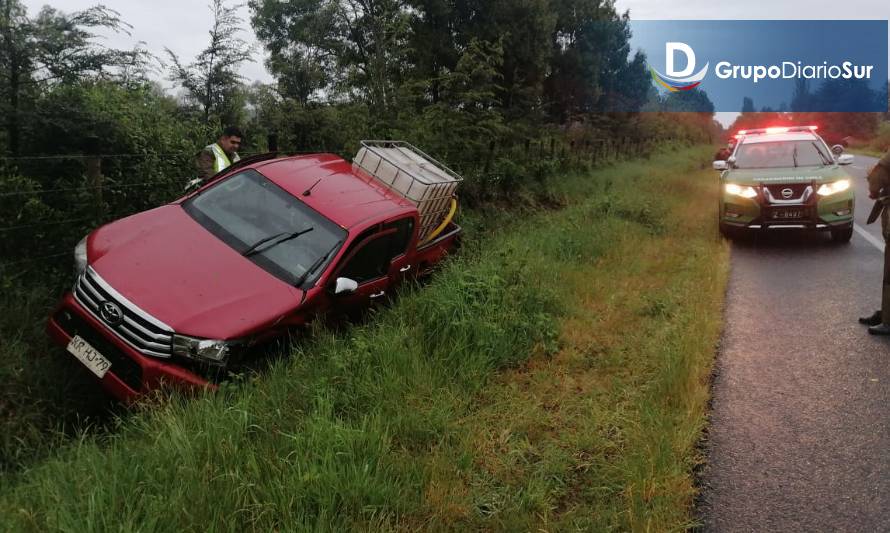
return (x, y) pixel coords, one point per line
(787, 193)
(111, 313)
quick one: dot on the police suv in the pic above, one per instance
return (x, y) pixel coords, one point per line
(786, 178)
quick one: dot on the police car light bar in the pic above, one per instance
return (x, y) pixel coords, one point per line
(770, 131)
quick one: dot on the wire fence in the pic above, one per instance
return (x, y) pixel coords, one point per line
(73, 209)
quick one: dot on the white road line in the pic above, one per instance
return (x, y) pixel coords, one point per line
(858, 168)
(874, 241)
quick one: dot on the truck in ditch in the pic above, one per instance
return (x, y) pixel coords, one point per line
(176, 294)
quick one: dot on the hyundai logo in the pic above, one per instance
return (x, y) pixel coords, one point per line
(787, 193)
(111, 313)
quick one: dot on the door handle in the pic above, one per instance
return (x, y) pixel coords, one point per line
(380, 294)
(405, 269)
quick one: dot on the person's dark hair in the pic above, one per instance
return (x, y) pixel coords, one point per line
(232, 131)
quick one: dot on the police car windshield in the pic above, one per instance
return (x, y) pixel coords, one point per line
(780, 154)
(247, 208)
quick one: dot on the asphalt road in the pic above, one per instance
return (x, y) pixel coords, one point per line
(800, 428)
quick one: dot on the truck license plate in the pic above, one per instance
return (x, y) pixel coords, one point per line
(89, 356)
(788, 214)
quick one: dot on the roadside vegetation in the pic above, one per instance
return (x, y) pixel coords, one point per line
(553, 376)
(878, 145)
(88, 135)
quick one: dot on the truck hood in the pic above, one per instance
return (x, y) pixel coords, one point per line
(766, 176)
(175, 270)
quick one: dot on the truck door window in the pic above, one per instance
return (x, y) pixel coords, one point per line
(371, 261)
(404, 231)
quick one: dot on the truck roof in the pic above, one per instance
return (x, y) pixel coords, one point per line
(341, 195)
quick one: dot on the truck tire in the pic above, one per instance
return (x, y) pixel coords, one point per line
(842, 235)
(727, 232)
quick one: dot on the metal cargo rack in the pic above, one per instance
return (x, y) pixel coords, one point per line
(412, 174)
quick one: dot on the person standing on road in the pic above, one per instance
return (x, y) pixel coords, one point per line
(879, 190)
(220, 155)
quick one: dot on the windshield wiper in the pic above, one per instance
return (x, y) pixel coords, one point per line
(302, 279)
(794, 155)
(279, 238)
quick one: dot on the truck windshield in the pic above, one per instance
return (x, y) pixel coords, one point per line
(247, 209)
(781, 154)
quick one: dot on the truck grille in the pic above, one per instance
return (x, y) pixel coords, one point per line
(146, 334)
(797, 191)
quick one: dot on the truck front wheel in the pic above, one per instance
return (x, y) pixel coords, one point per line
(842, 235)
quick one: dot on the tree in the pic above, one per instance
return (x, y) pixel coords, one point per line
(342, 47)
(212, 80)
(621, 84)
(468, 106)
(50, 49)
(302, 44)
(593, 69)
(694, 101)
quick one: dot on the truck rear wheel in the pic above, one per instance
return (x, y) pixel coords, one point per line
(842, 235)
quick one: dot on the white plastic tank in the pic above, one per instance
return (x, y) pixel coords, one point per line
(414, 175)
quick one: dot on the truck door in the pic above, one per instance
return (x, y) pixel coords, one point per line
(368, 264)
(401, 265)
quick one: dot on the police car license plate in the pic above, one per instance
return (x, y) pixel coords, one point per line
(89, 356)
(787, 214)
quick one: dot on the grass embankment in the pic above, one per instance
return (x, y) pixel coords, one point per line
(553, 376)
(45, 398)
(877, 146)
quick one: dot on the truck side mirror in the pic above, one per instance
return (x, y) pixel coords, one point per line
(721, 165)
(837, 149)
(345, 286)
(845, 159)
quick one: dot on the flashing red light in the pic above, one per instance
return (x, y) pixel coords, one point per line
(742, 132)
(776, 130)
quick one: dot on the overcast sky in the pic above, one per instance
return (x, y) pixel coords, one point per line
(182, 25)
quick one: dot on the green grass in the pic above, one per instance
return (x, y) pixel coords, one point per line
(45, 397)
(553, 376)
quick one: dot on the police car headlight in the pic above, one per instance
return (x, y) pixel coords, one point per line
(828, 189)
(80, 257)
(740, 190)
(207, 350)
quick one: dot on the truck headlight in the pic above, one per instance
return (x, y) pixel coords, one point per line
(207, 350)
(740, 190)
(80, 257)
(827, 189)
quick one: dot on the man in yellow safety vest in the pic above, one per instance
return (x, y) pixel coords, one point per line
(218, 156)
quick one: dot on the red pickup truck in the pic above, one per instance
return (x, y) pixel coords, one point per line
(175, 294)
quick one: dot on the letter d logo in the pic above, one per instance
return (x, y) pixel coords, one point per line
(670, 50)
(683, 80)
